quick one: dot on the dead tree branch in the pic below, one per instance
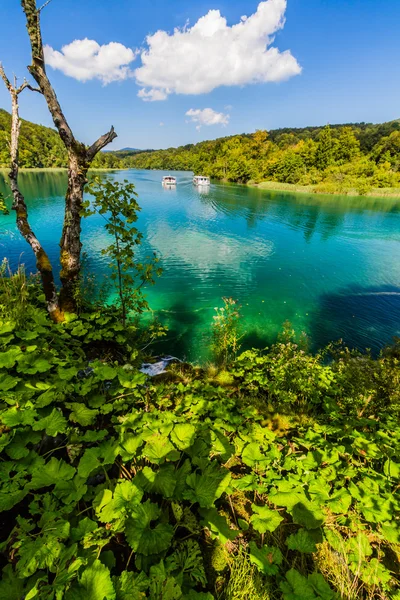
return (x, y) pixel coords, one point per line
(42, 260)
(79, 160)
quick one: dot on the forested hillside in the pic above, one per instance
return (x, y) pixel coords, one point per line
(39, 146)
(338, 158)
(331, 159)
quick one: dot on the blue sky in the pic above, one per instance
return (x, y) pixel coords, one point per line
(348, 51)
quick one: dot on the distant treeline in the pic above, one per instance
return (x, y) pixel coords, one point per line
(336, 158)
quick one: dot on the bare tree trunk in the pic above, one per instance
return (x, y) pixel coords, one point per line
(79, 160)
(42, 260)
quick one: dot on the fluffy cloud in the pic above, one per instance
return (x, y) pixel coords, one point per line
(198, 59)
(86, 59)
(207, 116)
(152, 95)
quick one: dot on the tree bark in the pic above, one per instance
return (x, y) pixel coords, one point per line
(42, 260)
(79, 160)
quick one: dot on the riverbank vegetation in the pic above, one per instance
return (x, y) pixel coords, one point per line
(349, 159)
(352, 159)
(270, 475)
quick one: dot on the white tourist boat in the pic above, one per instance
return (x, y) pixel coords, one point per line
(201, 180)
(169, 180)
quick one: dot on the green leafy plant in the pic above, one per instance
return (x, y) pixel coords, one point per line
(116, 202)
(226, 331)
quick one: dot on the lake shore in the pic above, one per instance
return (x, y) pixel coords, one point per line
(273, 186)
(276, 186)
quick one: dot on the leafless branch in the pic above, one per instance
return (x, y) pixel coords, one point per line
(99, 144)
(44, 5)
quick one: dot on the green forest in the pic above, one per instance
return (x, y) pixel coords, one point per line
(356, 158)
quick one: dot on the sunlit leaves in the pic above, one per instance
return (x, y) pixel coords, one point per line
(264, 519)
(267, 559)
(94, 584)
(208, 486)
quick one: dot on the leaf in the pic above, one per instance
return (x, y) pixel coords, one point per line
(131, 586)
(130, 443)
(7, 382)
(287, 499)
(162, 585)
(15, 416)
(218, 525)
(297, 587)
(321, 586)
(264, 519)
(105, 372)
(158, 448)
(391, 531)
(208, 486)
(9, 358)
(126, 495)
(253, 457)
(307, 514)
(81, 414)
(161, 482)
(94, 584)
(70, 491)
(183, 435)
(375, 574)
(85, 526)
(11, 588)
(53, 424)
(302, 541)
(51, 473)
(89, 462)
(142, 536)
(38, 553)
(188, 560)
(8, 499)
(267, 559)
(391, 469)
(340, 502)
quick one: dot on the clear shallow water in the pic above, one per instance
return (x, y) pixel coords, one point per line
(329, 265)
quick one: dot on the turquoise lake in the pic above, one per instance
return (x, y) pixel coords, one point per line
(329, 265)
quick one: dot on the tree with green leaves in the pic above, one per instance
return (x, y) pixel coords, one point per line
(324, 155)
(116, 203)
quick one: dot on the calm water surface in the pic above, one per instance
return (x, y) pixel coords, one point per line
(329, 265)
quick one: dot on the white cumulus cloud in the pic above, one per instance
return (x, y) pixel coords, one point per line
(198, 59)
(207, 116)
(86, 59)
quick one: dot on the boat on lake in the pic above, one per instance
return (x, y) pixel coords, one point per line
(201, 180)
(169, 180)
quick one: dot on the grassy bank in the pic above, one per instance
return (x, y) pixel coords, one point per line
(275, 186)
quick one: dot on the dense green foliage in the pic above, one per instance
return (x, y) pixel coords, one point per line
(116, 203)
(39, 146)
(276, 477)
(331, 159)
(355, 158)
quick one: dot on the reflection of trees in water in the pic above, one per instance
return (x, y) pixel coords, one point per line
(364, 317)
(38, 186)
(311, 214)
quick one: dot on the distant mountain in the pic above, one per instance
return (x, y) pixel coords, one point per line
(126, 150)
